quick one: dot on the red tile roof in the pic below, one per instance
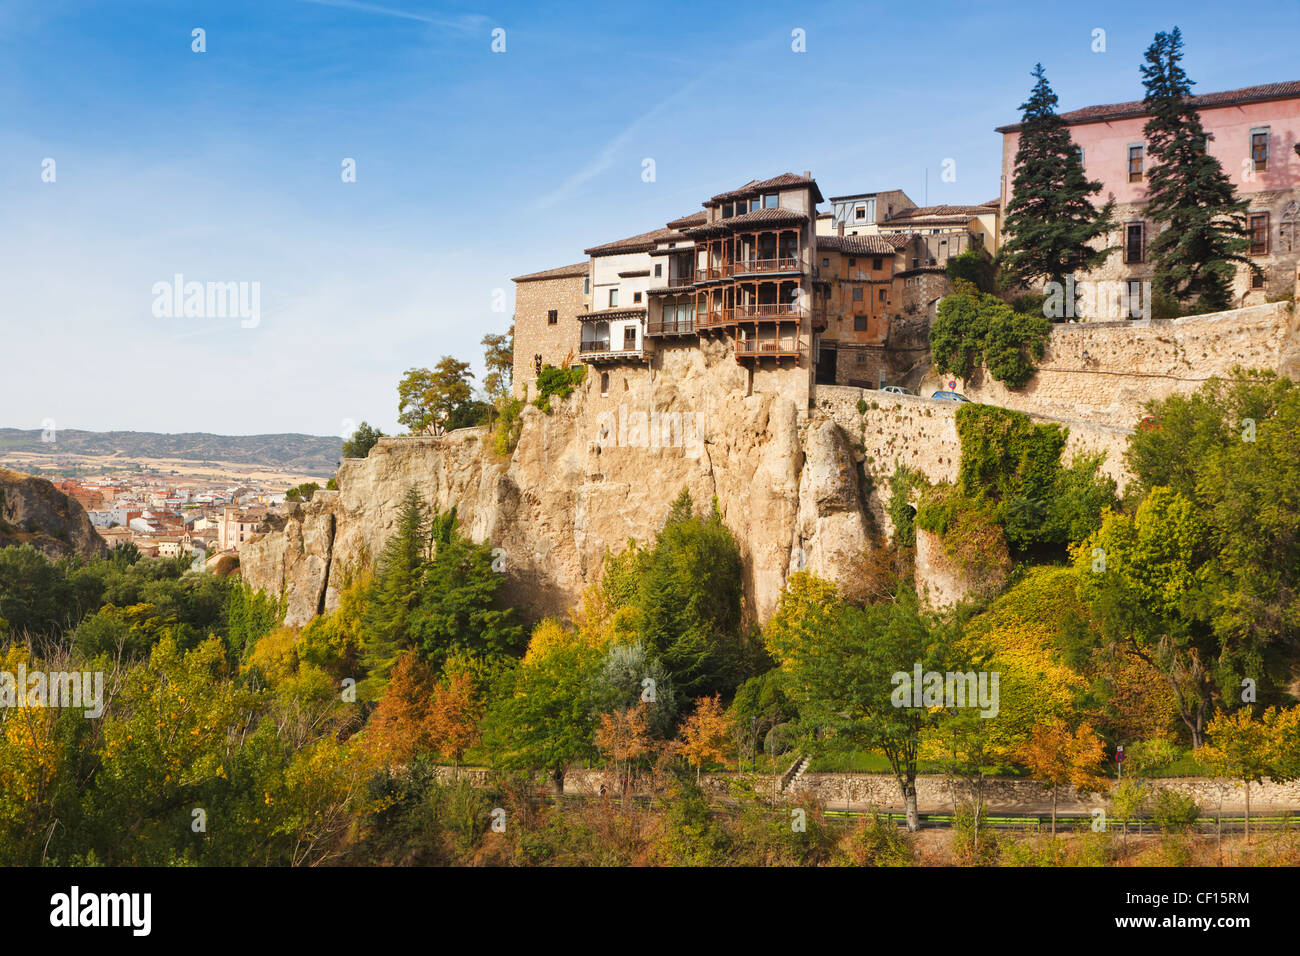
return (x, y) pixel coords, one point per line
(784, 181)
(862, 245)
(928, 212)
(643, 242)
(563, 272)
(693, 219)
(1116, 111)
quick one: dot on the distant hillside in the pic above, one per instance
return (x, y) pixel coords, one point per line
(308, 454)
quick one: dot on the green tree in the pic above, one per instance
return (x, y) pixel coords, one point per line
(499, 360)
(427, 398)
(1147, 579)
(1188, 193)
(844, 664)
(395, 592)
(362, 440)
(545, 713)
(689, 596)
(1052, 226)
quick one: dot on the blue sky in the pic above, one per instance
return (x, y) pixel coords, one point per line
(471, 166)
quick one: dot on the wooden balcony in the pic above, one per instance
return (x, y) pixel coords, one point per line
(784, 346)
(682, 327)
(758, 266)
(601, 351)
(716, 319)
(721, 271)
(771, 311)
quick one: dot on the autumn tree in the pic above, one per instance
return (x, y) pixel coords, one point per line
(706, 734)
(402, 726)
(1249, 750)
(455, 712)
(623, 737)
(1055, 757)
(499, 360)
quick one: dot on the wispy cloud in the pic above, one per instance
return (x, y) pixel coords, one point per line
(465, 23)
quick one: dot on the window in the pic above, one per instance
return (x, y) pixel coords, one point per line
(636, 297)
(1259, 233)
(852, 263)
(1079, 150)
(882, 295)
(877, 262)
(629, 337)
(860, 213)
(755, 204)
(604, 383)
(728, 210)
(1134, 299)
(769, 202)
(1135, 163)
(859, 323)
(1133, 242)
(857, 294)
(659, 269)
(862, 358)
(1257, 280)
(1259, 148)
(613, 298)
(552, 316)
(586, 285)
(826, 262)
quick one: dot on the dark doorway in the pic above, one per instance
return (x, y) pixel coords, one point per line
(826, 365)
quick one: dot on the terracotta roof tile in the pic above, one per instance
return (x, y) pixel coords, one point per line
(642, 242)
(563, 272)
(928, 212)
(878, 245)
(1116, 111)
(784, 181)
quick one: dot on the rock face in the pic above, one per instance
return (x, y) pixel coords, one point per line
(33, 511)
(604, 466)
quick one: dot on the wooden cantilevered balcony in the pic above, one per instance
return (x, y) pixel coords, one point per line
(600, 350)
(781, 346)
(714, 318)
(769, 311)
(671, 327)
(760, 265)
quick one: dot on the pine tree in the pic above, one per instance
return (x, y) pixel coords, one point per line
(396, 592)
(1051, 224)
(1188, 192)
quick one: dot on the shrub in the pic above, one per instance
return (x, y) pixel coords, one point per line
(879, 842)
(973, 328)
(509, 426)
(1175, 812)
(559, 382)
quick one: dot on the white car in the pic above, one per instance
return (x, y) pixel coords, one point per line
(895, 390)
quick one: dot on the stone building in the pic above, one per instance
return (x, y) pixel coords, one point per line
(1254, 132)
(547, 306)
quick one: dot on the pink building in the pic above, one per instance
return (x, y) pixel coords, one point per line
(1254, 133)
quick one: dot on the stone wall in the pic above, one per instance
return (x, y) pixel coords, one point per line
(534, 335)
(1104, 371)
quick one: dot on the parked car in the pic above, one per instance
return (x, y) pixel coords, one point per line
(895, 390)
(950, 397)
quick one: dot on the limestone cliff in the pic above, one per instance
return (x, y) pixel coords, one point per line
(596, 471)
(33, 511)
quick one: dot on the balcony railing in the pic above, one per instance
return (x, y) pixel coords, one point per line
(600, 346)
(677, 327)
(773, 264)
(785, 345)
(714, 318)
(720, 271)
(770, 310)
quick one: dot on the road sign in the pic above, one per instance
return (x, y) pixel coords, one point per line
(1119, 754)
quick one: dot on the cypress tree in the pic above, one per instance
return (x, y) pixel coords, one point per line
(396, 592)
(1051, 224)
(1188, 192)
